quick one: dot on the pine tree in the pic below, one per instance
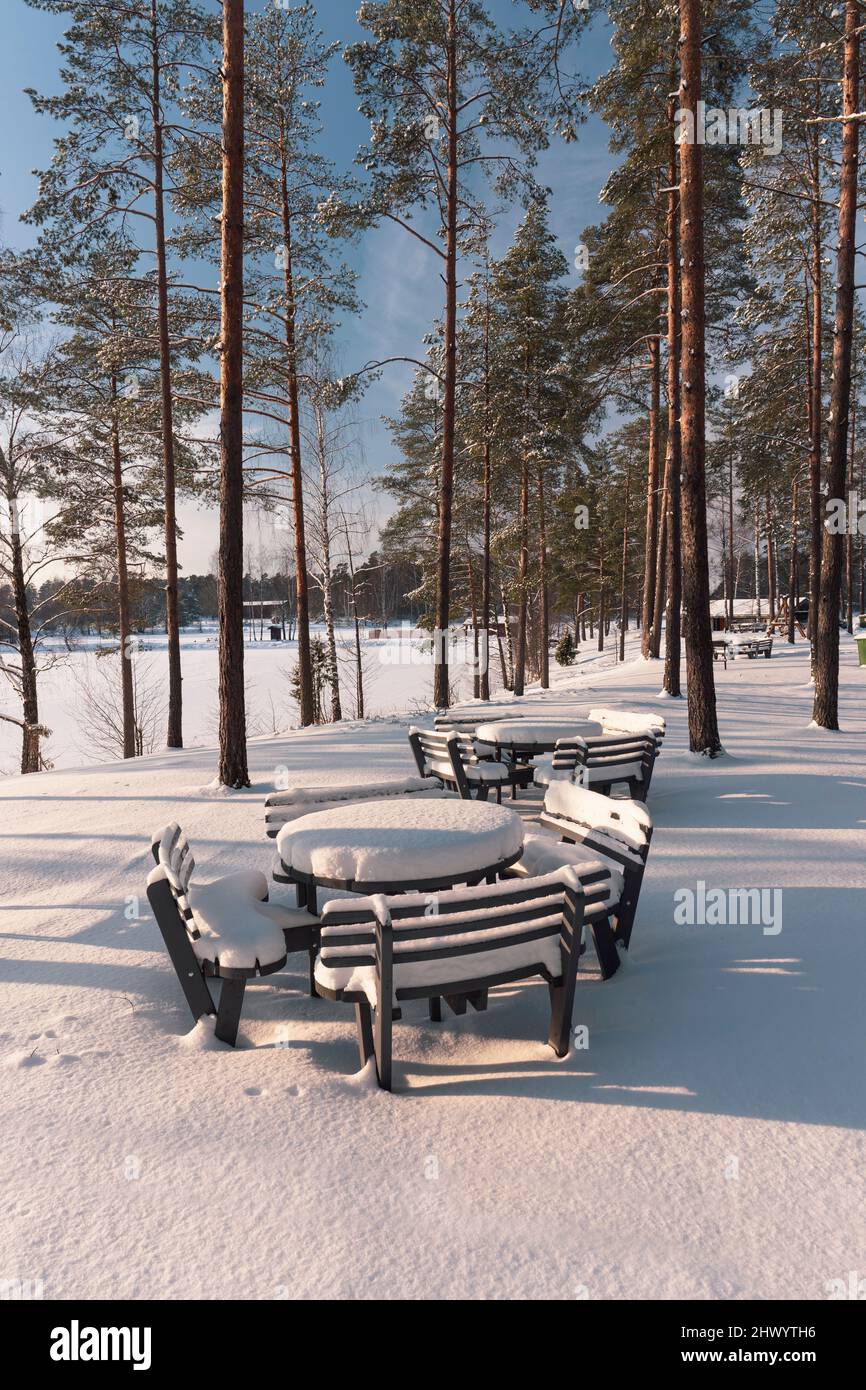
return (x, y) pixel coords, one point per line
(123, 61)
(232, 722)
(448, 94)
(565, 649)
(825, 711)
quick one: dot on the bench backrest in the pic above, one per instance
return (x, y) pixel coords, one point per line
(284, 806)
(468, 723)
(616, 830)
(443, 754)
(602, 750)
(621, 721)
(458, 922)
(613, 752)
(173, 856)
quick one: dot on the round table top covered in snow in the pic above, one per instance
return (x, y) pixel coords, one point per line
(389, 842)
(542, 734)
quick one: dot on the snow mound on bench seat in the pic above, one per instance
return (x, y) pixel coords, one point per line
(624, 821)
(542, 854)
(237, 926)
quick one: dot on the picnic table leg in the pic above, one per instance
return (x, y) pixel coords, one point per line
(364, 1021)
(229, 1010)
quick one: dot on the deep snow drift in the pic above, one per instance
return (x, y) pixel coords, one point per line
(708, 1142)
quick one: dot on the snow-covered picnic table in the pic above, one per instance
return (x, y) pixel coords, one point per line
(527, 738)
(389, 846)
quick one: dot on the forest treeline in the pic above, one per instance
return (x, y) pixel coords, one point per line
(667, 412)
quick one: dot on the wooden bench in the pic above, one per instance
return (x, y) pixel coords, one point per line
(381, 951)
(603, 763)
(467, 724)
(225, 930)
(590, 826)
(451, 758)
(623, 721)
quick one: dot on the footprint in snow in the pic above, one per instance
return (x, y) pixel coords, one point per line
(17, 1061)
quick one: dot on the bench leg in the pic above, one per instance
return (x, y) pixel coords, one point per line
(364, 1023)
(456, 1003)
(478, 1000)
(561, 1014)
(562, 1004)
(435, 1006)
(605, 947)
(314, 993)
(382, 1034)
(229, 1011)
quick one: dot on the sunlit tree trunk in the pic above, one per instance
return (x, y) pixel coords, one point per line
(174, 737)
(671, 585)
(232, 716)
(652, 501)
(825, 710)
(703, 727)
(127, 691)
(441, 695)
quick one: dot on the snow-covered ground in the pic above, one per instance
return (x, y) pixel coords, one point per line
(397, 675)
(708, 1143)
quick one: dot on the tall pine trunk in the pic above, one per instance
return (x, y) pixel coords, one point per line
(825, 711)
(441, 696)
(484, 686)
(732, 582)
(849, 535)
(232, 716)
(816, 398)
(30, 733)
(671, 584)
(523, 579)
(127, 689)
(771, 547)
(623, 583)
(359, 661)
(792, 566)
(703, 727)
(174, 736)
(652, 502)
(544, 593)
(332, 670)
(661, 561)
(305, 663)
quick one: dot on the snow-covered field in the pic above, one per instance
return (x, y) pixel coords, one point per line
(709, 1143)
(397, 675)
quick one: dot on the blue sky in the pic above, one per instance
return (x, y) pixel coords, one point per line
(398, 282)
